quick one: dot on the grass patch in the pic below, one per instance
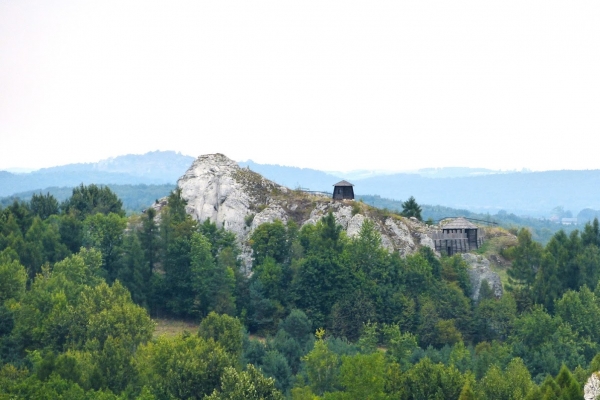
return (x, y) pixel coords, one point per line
(497, 240)
(493, 247)
(172, 327)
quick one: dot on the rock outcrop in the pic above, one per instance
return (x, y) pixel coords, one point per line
(216, 188)
(591, 391)
(240, 200)
(479, 271)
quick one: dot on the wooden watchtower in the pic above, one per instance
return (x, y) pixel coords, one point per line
(343, 191)
(458, 236)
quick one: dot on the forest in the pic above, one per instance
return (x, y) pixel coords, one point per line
(320, 316)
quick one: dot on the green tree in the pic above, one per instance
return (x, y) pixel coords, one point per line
(92, 199)
(494, 318)
(400, 346)
(322, 367)
(178, 284)
(527, 259)
(514, 383)
(42, 245)
(429, 381)
(455, 269)
(132, 271)
(582, 311)
(550, 389)
(13, 277)
(21, 214)
(263, 313)
(174, 291)
(545, 342)
(245, 385)
(275, 365)
(44, 318)
(588, 261)
(213, 286)
(114, 368)
(349, 314)
(491, 353)
(184, 367)
(270, 240)
(363, 376)
(270, 273)
(467, 392)
(225, 330)
(43, 206)
(410, 208)
(323, 276)
(105, 233)
(289, 348)
(570, 389)
(298, 326)
(71, 232)
(149, 239)
(107, 311)
(591, 234)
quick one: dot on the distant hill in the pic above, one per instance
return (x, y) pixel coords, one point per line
(523, 193)
(478, 190)
(154, 168)
(294, 177)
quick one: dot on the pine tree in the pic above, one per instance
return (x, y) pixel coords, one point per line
(410, 208)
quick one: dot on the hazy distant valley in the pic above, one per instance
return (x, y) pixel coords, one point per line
(474, 190)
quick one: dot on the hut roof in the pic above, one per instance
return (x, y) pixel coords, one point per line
(459, 223)
(343, 183)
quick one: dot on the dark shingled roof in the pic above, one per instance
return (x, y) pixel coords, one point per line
(459, 223)
(343, 183)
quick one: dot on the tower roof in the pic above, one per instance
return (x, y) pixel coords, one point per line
(343, 183)
(459, 223)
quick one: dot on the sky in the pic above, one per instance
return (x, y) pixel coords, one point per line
(331, 85)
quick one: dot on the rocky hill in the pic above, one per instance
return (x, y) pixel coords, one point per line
(239, 199)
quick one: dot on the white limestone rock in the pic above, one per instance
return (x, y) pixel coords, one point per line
(426, 241)
(212, 192)
(591, 390)
(354, 225)
(478, 272)
(270, 214)
(400, 236)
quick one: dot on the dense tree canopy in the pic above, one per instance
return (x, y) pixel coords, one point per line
(79, 282)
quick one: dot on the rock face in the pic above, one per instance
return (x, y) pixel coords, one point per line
(240, 200)
(480, 271)
(216, 187)
(591, 391)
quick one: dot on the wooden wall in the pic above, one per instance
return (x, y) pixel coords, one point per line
(457, 242)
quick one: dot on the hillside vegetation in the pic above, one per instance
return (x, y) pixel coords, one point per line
(135, 198)
(80, 281)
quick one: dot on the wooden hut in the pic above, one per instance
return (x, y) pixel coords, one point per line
(343, 191)
(458, 236)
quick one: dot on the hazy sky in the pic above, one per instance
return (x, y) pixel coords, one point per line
(334, 85)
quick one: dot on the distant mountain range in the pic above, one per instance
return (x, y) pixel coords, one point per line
(475, 189)
(154, 168)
